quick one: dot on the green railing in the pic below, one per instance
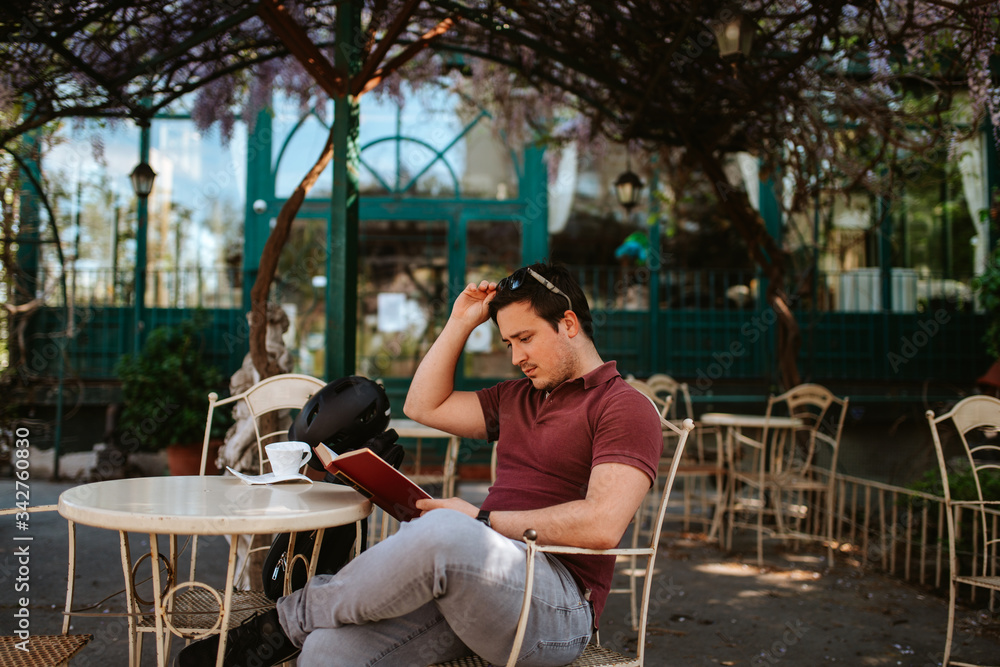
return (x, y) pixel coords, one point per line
(705, 346)
(709, 328)
(713, 326)
(101, 335)
(186, 287)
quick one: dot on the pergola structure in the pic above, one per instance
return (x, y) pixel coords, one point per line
(664, 83)
(135, 59)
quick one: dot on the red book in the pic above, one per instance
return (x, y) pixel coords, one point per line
(375, 479)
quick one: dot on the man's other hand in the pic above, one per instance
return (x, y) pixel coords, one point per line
(457, 504)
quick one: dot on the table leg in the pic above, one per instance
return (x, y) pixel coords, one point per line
(171, 580)
(158, 610)
(131, 606)
(730, 444)
(715, 530)
(227, 604)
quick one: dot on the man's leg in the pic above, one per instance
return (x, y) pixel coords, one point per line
(472, 574)
(417, 639)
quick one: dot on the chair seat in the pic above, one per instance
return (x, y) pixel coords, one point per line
(985, 582)
(46, 650)
(593, 656)
(782, 481)
(196, 609)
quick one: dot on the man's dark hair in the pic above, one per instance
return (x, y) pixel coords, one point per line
(549, 305)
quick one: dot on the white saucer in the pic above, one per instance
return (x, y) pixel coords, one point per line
(270, 477)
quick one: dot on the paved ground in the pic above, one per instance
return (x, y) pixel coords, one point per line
(709, 607)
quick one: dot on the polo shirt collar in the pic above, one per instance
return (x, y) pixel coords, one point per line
(603, 373)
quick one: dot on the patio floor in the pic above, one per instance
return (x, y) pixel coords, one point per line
(708, 607)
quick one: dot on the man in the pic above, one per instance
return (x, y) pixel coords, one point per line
(577, 450)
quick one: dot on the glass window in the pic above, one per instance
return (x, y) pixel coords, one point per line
(493, 251)
(195, 232)
(403, 299)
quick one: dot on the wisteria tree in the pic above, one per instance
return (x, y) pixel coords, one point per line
(837, 95)
(842, 89)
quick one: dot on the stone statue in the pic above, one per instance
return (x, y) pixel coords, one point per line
(240, 449)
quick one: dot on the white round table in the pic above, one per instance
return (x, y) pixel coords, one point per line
(211, 505)
(201, 505)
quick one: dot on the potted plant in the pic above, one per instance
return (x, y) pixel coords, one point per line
(165, 396)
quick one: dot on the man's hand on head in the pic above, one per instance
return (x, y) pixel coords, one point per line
(472, 305)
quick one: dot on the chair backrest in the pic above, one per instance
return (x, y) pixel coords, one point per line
(71, 572)
(288, 391)
(682, 432)
(975, 424)
(969, 416)
(649, 551)
(662, 384)
(822, 416)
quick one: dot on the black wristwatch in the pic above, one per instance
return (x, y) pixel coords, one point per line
(484, 516)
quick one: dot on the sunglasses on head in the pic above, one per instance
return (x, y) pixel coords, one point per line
(516, 279)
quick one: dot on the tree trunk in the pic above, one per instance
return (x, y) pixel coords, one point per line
(269, 264)
(769, 256)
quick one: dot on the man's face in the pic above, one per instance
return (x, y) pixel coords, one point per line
(543, 355)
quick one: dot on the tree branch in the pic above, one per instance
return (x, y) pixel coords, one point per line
(360, 86)
(269, 264)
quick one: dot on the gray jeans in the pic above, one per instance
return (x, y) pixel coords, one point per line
(443, 587)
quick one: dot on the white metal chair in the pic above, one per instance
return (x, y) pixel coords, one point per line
(288, 391)
(46, 650)
(702, 463)
(699, 464)
(663, 385)
(975, 424)
(595, 654)
(196, 610)
(414, 465)
(790, 473)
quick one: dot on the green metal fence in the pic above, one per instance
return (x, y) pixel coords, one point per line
(704, 346)
(709, 328)
(714, 326)
(101, 335)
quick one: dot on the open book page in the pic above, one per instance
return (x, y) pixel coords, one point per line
(371, 476)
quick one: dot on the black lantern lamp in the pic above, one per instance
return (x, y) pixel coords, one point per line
(735, 36)
(142, 178)
(628, 187)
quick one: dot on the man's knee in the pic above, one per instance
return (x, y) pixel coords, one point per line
(448, 527)
(448, 532)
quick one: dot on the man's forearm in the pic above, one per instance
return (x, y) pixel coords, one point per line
(434, 380)
(570, 524)
(595, 522)
(432, 399)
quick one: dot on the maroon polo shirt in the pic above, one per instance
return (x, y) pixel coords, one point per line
(547, 446)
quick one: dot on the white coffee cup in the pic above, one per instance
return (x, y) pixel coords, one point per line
(287, 458)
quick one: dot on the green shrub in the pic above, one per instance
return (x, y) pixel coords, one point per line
(165, 389)
(962, 483)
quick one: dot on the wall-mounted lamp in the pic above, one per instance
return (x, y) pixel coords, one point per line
(628, 187)
(735, 36)
(142, 178)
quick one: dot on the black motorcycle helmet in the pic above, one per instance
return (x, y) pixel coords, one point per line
(343, 415)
